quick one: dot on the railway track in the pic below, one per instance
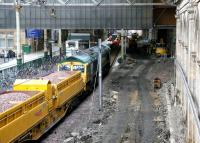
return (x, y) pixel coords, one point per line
(58, 94)
(123, 118)
(76, 104)
(114, 56)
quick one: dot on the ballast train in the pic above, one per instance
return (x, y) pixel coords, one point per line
(36, 105)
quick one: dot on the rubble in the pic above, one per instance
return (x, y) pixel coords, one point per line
(34, 70)
(173, 127)
(69, 140)
(74, 134)
(123, 116)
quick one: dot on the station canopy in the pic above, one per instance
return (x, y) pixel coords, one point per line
(79, 14)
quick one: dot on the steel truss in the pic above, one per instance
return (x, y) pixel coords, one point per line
(85, 3)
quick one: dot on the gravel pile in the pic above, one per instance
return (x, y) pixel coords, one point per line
(7, 100)
(29, 72)
(57, 76)
(162, 127)
(177, 122)
(171, 124)
(84, 136)
(175, 118)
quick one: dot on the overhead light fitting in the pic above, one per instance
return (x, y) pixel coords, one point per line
(53, 12)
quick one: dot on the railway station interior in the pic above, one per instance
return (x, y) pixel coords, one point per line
(100, 71)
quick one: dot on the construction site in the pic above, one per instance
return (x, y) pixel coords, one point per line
(99, 71)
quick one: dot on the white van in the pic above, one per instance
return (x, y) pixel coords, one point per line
(74, 45)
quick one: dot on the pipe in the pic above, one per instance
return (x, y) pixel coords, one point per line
(189, 96)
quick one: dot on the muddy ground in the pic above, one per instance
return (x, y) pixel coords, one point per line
(132, 111)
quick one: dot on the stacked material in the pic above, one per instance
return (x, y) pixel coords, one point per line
(9, 99)
(56, 77)
(35, 69)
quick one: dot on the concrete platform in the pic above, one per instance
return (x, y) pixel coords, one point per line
(27, 58)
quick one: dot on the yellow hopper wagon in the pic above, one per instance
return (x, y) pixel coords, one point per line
(44, 102)
(20, 111)
(66, 85)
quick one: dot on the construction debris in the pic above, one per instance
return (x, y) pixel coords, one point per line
(129, 103)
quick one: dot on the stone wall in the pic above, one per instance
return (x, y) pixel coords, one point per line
(188, 59)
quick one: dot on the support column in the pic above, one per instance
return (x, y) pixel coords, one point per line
(6, 41)
(181, 92)
(52, 42)
(188, 120)
(192, 64)
(190, 127)
(60, 38)
(191, 46)
(19, 50)
(198, 82)
(100, 77)
(45, 44)
(155, 33)
(60, 41)
(105, 34)
(125, 43)
(192, 130)
(181, 39)
(150, 34)
(177, 54)
(122, 45)
(186, 53)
